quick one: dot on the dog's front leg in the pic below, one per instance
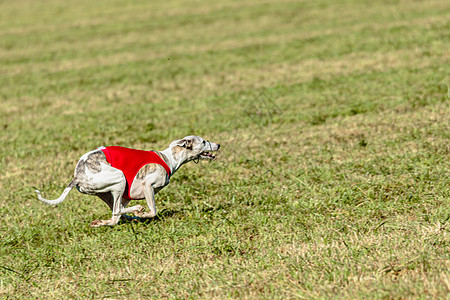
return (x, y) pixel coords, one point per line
(149, 193)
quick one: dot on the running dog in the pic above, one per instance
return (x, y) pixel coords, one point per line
(118, 175)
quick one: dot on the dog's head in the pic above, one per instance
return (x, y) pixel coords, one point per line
(193, 147)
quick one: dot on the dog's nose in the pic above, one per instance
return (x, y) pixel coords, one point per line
(218, 146)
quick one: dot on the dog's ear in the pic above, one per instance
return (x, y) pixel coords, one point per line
(188, 144)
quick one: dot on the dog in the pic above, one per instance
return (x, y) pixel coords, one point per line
(118, 175)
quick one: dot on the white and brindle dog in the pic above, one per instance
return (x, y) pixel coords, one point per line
(94, 175)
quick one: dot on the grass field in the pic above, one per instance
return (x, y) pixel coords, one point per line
(333, 177)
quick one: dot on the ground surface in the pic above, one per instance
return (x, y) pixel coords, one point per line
(332, 181)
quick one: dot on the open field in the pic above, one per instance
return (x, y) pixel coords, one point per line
(333, 177)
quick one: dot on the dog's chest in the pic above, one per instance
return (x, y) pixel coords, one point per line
(157, 177)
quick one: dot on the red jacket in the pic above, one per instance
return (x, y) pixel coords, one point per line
(130, 161)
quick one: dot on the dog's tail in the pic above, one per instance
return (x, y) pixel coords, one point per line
(60, 199)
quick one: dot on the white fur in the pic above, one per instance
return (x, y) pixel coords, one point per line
(109, 183)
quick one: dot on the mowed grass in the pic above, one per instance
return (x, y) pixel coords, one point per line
(333, 176)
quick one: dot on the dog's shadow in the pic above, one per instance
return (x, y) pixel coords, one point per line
(165, 213)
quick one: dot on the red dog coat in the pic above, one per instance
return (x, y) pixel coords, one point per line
(130, 161)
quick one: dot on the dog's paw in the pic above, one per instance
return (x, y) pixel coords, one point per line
(139, 211)
(98, 223)
(147, 215)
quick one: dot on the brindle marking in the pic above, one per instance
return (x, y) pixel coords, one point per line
(95, 176)
(92, 162)
(147, 169)
(166, 160)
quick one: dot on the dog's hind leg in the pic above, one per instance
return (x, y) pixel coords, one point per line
(109, 200)
(116, 205)
(109, 185)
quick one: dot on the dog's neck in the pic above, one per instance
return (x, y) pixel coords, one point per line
(173, 163)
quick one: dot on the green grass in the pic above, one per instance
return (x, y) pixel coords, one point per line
(333, 177)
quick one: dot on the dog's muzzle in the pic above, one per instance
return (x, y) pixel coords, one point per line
(208, 154)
